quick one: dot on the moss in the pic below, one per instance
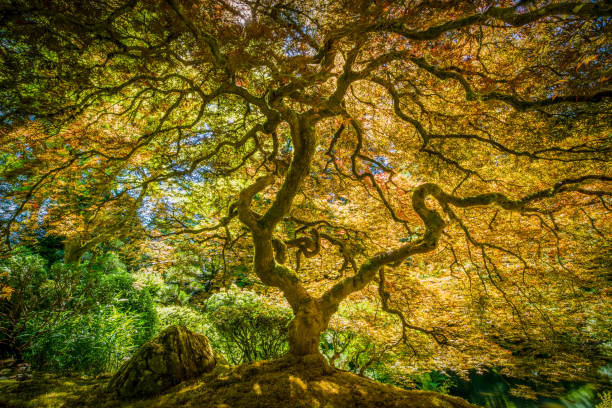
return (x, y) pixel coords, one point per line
(286, 273)
(175, 355)
(49, 391)
(269, 384)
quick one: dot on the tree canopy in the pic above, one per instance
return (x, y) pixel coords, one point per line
(445, 161)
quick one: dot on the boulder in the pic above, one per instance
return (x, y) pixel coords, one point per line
(173, 356)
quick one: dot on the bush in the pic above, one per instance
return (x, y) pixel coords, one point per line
(606, 400)
(245, 328)
(100, 339)
(182, 315)
(139, 303)
(92, 343)
(68, 318)
(355, 352)
(433, 381)
(32, 299)
(106, 282)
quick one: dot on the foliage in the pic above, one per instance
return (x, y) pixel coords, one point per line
(105, 281)
(606, 400)
(33, 298)
(92, 343)
(581, 397)
(434, 381)
(178, 275)
(182, 315)
(245, 328)
(357, 353)
(63, 317)
(50, 247)
(98, 340)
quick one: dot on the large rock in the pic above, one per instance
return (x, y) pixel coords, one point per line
(175, 355)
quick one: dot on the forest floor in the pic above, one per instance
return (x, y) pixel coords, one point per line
(269, 384)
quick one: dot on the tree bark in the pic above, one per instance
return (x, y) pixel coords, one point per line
(73, 252)
(306, 328)
(309, 321)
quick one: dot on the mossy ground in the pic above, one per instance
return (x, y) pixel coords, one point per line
(268, 384)
(50, 391)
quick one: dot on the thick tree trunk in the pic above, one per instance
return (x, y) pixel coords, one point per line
(305, 329)
(73, 253)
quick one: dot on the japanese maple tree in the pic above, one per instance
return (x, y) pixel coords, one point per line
(450, 158)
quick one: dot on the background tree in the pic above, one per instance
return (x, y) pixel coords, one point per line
(449, 158)
(86, 202)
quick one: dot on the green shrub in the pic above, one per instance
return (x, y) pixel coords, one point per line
(434, 381)
(105, 281)
(183, 315)
(139, 303)
(97, 341)
(606, 400)
(355, 352)
(32, 298)
(68, 318)
(244, 328)
(580, 397)
(92, 343)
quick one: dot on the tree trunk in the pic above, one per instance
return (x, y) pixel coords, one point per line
(73, 253)
(305, 329)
